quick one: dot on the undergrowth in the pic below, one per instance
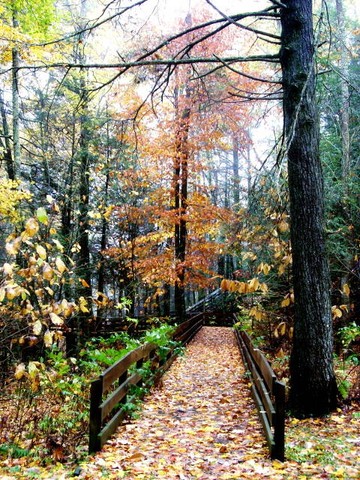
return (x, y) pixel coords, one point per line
(46, 404)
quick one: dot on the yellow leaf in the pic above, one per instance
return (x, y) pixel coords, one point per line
(37, 327)
(282, 328)
(11, 293)
(7, 268)
(286, 302)
(83, 305)
(278, 465)
(254, 284)
(266, 268)
(223, 284)
(243, 287)
(48, 338)
(20, 371)
(60, 265)
(67, 308)
(40, 250)
(283, 226)
(12, 248)
(31, 227)
(58, 245)
(84, 283)
(33, 369)
(47, 272)
(346, 289)
(281, 269)
(56, 320)
(2, 294)
(336, 312)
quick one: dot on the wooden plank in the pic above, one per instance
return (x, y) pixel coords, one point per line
(186, 336)
(118, 394)
(265, 369)
(263, 377)
(96, 390)
(110, 427)
(264, 419)
(261, 362)
(111, 374)
(260, 386)
(279, 426)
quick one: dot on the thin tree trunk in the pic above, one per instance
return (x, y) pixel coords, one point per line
(313, 386)
(6, 145)
(15, 103)
(344, 124)
(181, 194)
(236, 177)
(345, 95)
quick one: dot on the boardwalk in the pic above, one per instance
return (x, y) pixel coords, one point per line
(200, 423)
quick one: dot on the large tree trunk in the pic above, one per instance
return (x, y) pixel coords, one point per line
(313, 386)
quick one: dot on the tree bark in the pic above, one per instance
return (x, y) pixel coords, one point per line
(313, 385)
(181, 194)
(345, 94)
(236, 177)
(15, 104)
(6, 144)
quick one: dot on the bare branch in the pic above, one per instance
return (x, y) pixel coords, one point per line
(89, 28)
(251, 77)
(239, 25)
(142, 63)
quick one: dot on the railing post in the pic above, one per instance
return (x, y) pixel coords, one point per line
(96, 391)
(279, 426)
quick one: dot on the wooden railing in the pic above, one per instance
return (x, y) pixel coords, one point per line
(268, 394)
(108, 401)
(205, 303)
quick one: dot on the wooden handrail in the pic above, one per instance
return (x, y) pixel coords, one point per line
(268, 394)
(107, 413)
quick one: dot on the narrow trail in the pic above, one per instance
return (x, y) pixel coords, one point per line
(201, 423)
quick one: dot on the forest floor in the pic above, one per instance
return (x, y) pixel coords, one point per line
(201, 423)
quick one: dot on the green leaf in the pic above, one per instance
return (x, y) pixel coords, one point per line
(41, 215)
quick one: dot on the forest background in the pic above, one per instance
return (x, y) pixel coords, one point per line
(143, 166)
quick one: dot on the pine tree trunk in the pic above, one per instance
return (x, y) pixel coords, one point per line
(313, 386)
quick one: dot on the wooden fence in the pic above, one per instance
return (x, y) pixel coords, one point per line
(268, 393)
(109, 392)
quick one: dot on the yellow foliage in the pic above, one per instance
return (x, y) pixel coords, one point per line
(10, 197)
(254, 285)
(55, 319)
(83, 305)
(286, 302)
(20, 371)
(336, 312)
(346, 289)
(41, 251)
(257, 312)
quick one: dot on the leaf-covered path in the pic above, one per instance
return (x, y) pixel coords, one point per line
(201, 422)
